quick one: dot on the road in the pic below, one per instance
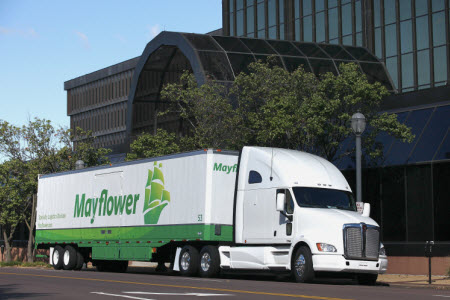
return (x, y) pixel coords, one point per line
(143, 283)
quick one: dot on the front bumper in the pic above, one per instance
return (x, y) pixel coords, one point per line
(337, 263)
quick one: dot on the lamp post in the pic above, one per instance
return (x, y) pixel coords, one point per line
(358, 126)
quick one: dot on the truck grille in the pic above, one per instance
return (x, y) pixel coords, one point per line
(361, 241)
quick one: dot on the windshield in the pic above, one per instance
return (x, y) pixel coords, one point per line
(324, 198)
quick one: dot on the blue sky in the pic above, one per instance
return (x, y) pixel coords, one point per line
(44, 43)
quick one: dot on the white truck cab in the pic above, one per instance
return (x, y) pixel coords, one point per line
(295, 211)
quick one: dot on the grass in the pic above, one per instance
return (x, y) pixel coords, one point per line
(25, 264)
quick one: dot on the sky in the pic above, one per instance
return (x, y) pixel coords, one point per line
(45, 43)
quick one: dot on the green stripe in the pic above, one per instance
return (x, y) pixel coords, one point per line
(134, 234)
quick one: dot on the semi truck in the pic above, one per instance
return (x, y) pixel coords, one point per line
(210, 210)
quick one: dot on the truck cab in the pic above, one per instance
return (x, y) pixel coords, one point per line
(295, 211)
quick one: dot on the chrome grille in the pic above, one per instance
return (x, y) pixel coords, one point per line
(354, 242)
(361, 241)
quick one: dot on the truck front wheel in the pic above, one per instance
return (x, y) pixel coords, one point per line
(189, 261)
(209, 261)
(302, 266)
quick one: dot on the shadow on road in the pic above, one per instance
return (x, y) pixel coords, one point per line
(12, 292)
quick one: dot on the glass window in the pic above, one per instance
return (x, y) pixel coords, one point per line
(376, 13)
(298, 29)
(441, 190)
(322, 66)
(231, 5)
(272, 10)
(231, 44)
(336, 52)
(319, 5)
(293, 63)
(240, 23)
(307, 7)
(264, 59)
(422, 33)
(347, 40)
(421, 7)
(273, 32)
(333, 24)
(307, 29)
(406, 36)
(297, 9)
(346, 19)
(215, 65)
(281, 10)
(405, 9)
(239, 4)
(437, 5)
(262, 34)
(423, 67)
(334, 41)
(254, 177)
(419, 203)
(444, 149)
(400, 151)
(378, 50)
(281, 31)
(389, 11)
(360, 54)
(393, 204)
(250, 20)
(332, 3)
(261, 17)
(250, 3)
(391, 65)
(440, 64)
(407, 71)
(358, 13)
(232, 25)
(391, 40)
(320, 27)
(240, 62)
(439, 29)
(433, 135)
(201, 42)
(324, 198)
(376, 73)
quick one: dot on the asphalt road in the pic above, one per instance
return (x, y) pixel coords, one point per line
(143, 283)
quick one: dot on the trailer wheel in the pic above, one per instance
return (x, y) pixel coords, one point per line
(302, 266)
(189, 261)
(69, 258)
(57, 258)
(80, 261)
(367, 279)
(209, 261)
(100, 266)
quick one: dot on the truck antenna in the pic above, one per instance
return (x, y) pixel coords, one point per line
(271, 164)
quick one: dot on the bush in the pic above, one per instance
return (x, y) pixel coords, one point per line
(24, 264)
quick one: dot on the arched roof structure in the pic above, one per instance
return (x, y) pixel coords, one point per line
(221, 58)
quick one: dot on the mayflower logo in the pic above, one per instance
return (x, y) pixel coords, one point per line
(156, 197)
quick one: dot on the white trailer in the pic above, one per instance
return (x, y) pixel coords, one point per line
(260, 209)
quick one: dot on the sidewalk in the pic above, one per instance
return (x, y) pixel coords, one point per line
(437, 282)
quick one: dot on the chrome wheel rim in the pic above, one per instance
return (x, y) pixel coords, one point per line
(66, 257)
(205, 261)
(300, 265)
(55, 257)
(185, 260)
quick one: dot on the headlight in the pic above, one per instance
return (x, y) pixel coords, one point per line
(322, 247)
(382, 250)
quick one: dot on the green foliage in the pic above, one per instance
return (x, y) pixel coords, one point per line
(269, 106)
(162, 143)
(25, 264)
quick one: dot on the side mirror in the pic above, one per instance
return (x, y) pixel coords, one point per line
(366, 210)
(281, 198)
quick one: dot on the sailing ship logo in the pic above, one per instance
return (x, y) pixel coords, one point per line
(156, 197)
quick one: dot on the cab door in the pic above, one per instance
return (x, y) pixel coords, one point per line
(282, 224)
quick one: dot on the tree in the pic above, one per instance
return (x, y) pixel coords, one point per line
(38, 148)
(269, 106)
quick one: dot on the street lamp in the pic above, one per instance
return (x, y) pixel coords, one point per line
(358, 126)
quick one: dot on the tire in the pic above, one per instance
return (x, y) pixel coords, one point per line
(302, 266)
(189, 261)
(80, 261)
(367, 279)
(69, 258)
(57, 258)
(100, 265)
(209, 265)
